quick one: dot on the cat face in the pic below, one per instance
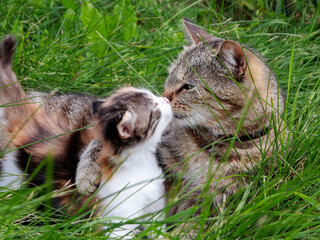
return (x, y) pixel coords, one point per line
(209, 84)
(131, 115)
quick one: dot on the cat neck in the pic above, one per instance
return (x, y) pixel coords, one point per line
(204, 137)
(140, 155)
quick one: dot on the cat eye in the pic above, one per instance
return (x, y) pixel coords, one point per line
(188, 86)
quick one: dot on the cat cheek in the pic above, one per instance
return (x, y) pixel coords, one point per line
(181, 107)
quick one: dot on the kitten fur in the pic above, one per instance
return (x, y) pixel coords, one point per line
(129, 124)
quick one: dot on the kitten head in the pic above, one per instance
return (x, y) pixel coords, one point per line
(131, 116)
(213, 79)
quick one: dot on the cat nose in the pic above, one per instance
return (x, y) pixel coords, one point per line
(168, 95)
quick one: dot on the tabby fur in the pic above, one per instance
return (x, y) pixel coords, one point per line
(220, 90)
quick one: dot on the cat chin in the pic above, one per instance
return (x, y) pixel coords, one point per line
(196, 121)
(177, 116)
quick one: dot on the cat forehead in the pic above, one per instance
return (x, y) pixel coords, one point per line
(195, 54)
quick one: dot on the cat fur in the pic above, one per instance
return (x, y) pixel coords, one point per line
(220, 90)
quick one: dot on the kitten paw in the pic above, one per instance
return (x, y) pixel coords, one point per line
(88, 171)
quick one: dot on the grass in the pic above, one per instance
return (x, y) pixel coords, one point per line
(59, 48)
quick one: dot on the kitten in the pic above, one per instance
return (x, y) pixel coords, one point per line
(129, 124)
(129, 147)
(220, 91)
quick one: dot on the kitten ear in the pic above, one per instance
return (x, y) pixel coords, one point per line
(96, 106)
(126, 126)
(194, 31)
(232, 56)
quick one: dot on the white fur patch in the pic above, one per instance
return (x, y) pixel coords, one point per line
(135, 189)
(11, 176)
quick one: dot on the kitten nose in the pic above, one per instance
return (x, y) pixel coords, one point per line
(166, 99)
(162, 100)
(168, 95)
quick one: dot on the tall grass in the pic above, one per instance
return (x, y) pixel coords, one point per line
(94, 47)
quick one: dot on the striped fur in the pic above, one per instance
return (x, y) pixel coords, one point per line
(213, 86)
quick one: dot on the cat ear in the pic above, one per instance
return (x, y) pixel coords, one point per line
(96, 106)
(126, 126)
(194, 31)
(232, 56)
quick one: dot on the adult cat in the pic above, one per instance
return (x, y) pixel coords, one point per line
(227, 106)
(129, 124)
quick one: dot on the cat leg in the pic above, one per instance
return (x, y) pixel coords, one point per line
(221, 188)
(88, 171)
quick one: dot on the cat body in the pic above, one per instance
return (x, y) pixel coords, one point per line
(129, 124)
(222, 93)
